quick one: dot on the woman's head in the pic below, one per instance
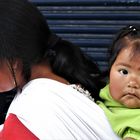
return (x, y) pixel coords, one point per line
(68, 61)
(23, 34)
(124, 78)
(24, 37)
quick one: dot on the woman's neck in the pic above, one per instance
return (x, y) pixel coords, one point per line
(43, 71)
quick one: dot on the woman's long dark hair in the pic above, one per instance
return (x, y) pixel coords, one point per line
(67, 60)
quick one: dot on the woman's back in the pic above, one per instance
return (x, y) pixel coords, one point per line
(63, 112)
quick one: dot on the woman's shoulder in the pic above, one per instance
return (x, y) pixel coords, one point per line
(42, 87)
(43, 83)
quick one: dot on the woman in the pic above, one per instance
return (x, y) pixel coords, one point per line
(53, 81)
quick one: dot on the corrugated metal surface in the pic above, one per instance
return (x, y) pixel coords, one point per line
(90, 23)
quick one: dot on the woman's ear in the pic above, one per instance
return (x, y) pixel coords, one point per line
(16, 64)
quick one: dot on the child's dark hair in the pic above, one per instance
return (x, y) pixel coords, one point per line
(128, 36)
(25, 35)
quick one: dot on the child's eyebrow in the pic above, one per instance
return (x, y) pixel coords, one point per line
(123, 64)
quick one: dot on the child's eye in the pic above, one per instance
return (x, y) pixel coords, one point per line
(123, 71)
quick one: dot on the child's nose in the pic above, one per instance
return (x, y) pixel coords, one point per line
(133, 84)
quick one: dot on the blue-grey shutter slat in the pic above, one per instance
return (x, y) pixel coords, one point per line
(86, 2)
(91, 24)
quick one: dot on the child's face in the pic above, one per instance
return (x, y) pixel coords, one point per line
(125, 79)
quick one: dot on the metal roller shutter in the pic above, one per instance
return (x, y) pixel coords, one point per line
(90, 23)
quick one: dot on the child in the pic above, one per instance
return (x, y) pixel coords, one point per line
(121, 97)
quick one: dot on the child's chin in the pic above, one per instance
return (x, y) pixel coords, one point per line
(132, 104)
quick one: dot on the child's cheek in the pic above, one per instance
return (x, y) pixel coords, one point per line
(116, 86)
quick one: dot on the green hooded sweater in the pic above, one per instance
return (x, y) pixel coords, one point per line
(124, 121)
